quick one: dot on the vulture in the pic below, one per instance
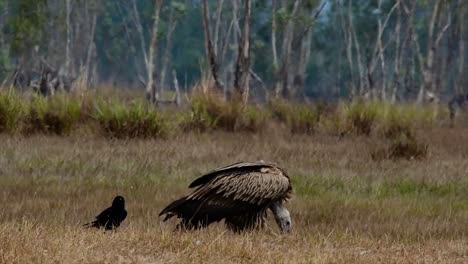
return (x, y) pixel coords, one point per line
(240, 194)
(111, 217)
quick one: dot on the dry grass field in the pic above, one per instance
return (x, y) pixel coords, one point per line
(347, 207)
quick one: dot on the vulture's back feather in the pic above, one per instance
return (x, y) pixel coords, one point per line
(239, 167)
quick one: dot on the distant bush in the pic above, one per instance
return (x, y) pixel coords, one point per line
(394, 123)
(124, 117)
(135, 120)
(403, 146)
(209, 112)
(57, 115)
(299, 118)
(252, 119)
(11, 111)
(407, 147)
(361, 116)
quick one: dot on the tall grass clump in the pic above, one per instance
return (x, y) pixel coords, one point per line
(402, 140)
(11, 111)
(394, 122)
(420, 115)
(299, 118)
(134, 120)
(407, 147)
(209, 112)
(57, 115)
(361, 116)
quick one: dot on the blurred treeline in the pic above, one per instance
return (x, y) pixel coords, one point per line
(386, 49)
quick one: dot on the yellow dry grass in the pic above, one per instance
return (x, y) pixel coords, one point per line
(347, 208)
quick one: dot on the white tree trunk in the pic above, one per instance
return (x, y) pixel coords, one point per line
(150, 87)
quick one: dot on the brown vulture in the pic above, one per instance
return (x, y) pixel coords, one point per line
(240, 194)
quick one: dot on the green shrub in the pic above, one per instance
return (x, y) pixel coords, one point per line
(58, 115)
(208, 112)
(205, 114)
(361, 116)
(135, 120)
(407, 147)
(252, 119)
(393, 123)
(11, 111)
(402, 147)
(299, 118)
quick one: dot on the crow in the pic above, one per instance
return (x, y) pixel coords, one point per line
(112, 216)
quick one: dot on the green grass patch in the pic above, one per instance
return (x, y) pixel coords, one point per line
(11, 111)
(56, 115)
(319, 186)
(209, 112)
(299, 118)
(134, 120)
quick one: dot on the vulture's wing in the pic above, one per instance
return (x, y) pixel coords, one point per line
(254, 183)
(237, 167)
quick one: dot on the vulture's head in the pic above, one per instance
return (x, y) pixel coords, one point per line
(282, 217)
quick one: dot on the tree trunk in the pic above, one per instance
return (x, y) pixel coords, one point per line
(217, 27)
(241, 82)
(68, 43)
(139, 28)
(282, 84)
(427, 69)
(91, 50)
(273, 36)
(151, 92)
(304, 57)
(461, 51)
(349, 50)
(398, 52)
(167, 51)
(210, 53)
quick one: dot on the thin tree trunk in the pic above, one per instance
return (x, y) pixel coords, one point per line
(68, 42)
(236, 33)
(381, 56)
(273, 35)
(286, 54)
(349, 49)
(241, 82)
(151, 92)
(461, 51)
(176, 87)
(210, 53)
(427, 68)
(217, 26)
(361, 86)
(439, 68)
(397, 64)
(91, 50)
(139, 28)
(167, 51)
(304, 57)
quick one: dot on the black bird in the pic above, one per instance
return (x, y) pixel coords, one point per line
(112, 216)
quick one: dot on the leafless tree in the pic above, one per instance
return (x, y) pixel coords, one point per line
(242, 74)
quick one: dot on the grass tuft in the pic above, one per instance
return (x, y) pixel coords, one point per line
(11, 111)
(299, 118)
(209, 112)
(361, 116)
(135, 120)
(56, 115)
